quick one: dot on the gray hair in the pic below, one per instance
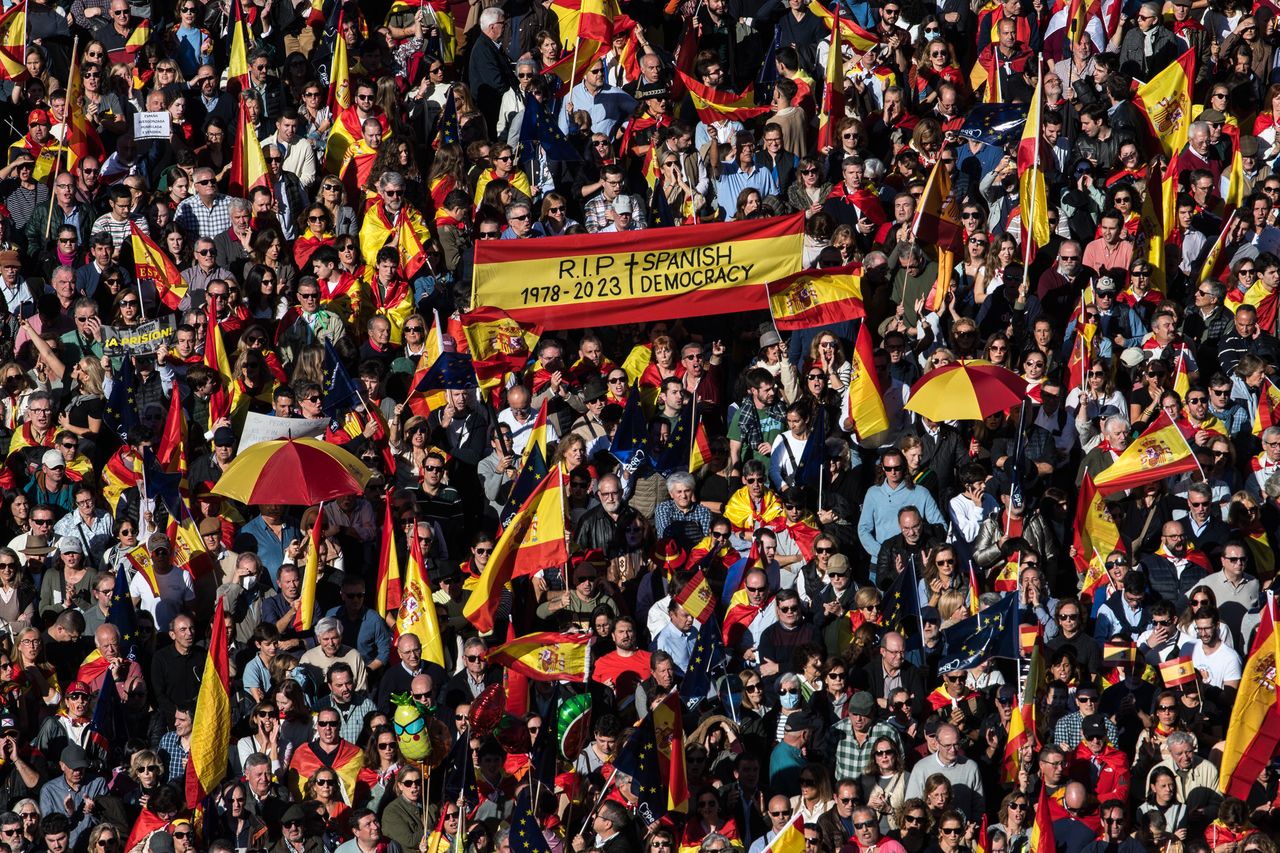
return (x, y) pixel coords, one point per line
(1180, 739)
(328, 625)
(517, 206)
(64, 269)
(1216, 288)
(680, 478)
(1154, 9)
(239, 205)
(788, 678)
(475, 643)
(873, 168)
(1201, 489)
(1272, 486)
(529, 63)
(1113, 421)
(492, 15)
(714, 838)
(1198, 127)
(395, 179)
(257, 759)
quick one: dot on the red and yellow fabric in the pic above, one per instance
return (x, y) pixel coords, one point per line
(1268, 411)
(832, 85)
(699, 449)
(816, 298)
(535, 538)
(853, 35)
(1253, 733)
(1096, 530)
(394, 302)
(864, 398)
(339, 73)
(79, 139)
(346, 130)
(357, 166)
(518, 180)
(119, 475)
(1162, 451)
(545, 656)
(498, 344)
(13, 43)
(417, 612)
(746, 518)
(1166, 99)
(1258, 296)
(238, 61)
(697, 599)
(1041, 838)
(152, 264)
(310, 574)
(1176, 672)
(389, 581)
(26, 437)
(413, 253)
(248, 165)
(668, 732)
(643, 276)
(347, 763)
(211, 725)
(572, 67)
(1033, 198)
(305, 246)
(713, 105)
(379, 229)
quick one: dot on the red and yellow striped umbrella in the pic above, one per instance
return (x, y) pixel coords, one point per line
(966, 391)
(299, 471)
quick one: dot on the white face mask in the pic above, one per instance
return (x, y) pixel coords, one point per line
(932, 35)
(249, 581)
(790, 700)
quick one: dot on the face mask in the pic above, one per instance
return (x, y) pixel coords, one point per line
(249, 582)
(932, 35)
(790, 700)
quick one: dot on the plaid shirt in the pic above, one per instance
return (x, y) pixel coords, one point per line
(687, 528)
(198, 220)
(853, 758)
(171, 749)
(1067, 732)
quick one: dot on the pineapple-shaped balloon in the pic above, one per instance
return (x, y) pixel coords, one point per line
(410, 724)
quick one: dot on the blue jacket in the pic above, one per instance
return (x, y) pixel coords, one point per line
(879, 519)
(270, 550)
(368, 634)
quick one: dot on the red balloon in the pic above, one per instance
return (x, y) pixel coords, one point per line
(513, 735)
(487, 710)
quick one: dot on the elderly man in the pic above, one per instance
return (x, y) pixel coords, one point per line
(1149, 47)
(329, 650)
(400, 676)
(605, 526)
(234, 245)
(490, 69)
(1190, 771)
(73, 793)
(382, 219)
(127, 673)
(206, 212)
(681, 517)
(519, 222)
(963, 774)
(475, 676)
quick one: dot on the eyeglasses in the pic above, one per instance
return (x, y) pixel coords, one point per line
(326, 782)
(1068, 617)
(866, 824)
(327, 724)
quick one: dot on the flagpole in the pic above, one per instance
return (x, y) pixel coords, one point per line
(1028, 252)
(600, 799)
(68, 111)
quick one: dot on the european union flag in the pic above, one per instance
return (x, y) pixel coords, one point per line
(674, 455)
(544, 754)
(448, 131)
(121, 411)
(994, 124)
(769, 69)
(526, 833)
(992, 632)
(332, 10)
(901, 605)
(161, 484)
(109, 724)
(531, 474)
(708, 659)
(631, 438)
(539, 128)
(452, 371)
(340, 392)
(813, 459)
(639, 760)
(121, 614)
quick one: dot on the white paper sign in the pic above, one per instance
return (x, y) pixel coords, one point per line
(259, 428)
(151, 125)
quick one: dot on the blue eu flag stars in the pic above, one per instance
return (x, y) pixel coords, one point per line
(993, 632)
(448, 130)
(539, 128)
(708, 658)
(531, 474)
(121, 614)
(901, 607)
(121, 411)
(452, 371)
(639, 760)
(526, 834)
(340, 392)
(632, 435)
(995, 124)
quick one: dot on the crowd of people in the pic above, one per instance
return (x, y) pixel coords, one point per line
(822, 708)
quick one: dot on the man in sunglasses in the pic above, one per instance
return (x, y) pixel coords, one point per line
(328, 750)
(879, 520)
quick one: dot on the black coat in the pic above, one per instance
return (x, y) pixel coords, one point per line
(491, 76)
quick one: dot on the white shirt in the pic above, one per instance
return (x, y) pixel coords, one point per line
(1218, 667)
(175, 591)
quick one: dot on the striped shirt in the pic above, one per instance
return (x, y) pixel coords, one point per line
(119, 230)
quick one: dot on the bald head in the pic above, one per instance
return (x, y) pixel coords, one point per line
(1075, 795)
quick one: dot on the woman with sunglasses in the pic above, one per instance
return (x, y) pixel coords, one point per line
(1098, 398)
(325, 788)
(382, 761)
(707, 818)
(148, 774)
(315, 229)
(974, 268)
(884, 783)
(215, 153)
(1014, 819)
(102, 107)
(554, 216)
(264, 734)
(913, 825)
(941, 574)
(402, 818)
(334, 197)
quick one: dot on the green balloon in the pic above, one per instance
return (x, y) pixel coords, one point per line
(573, 725)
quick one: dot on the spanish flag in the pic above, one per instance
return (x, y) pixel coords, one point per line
(211, 727)
(595, 19)
(152, 264)
(1033, 198)
(171, 451)
(409, 244)
(864, 400)
(215, 358)
(700, 448)
(1041, 840)
(311, 575)
(1234, 196)
(1181, 381)
(248, 166)
(340, 76)
(1119, 654)
(1160, 452)
(498, 344)
(832, 85)
(13, 43)
(1254, 731)
(853, 35)
(1268, 409)
(137, 39)
(545, 656)
(238, 62)
(938, 223)
(1028, 637)
(1155, 223)
(140, 559)
(713, 105)
(417, 612)
(1166, 100)
(79, 139)
(189, 553)
(388, 565)
(1096, 530)
(1212, 266)
(535, 538)
(975, 591)
(815, 298)
(1178, 671)
(572, 67)
(696, 598)
(668, 733)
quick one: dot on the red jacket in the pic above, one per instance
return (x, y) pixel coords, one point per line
(1113, 772)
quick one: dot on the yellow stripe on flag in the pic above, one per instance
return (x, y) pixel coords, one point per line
(311, 572)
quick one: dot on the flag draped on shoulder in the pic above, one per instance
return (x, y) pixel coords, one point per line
(211, 727)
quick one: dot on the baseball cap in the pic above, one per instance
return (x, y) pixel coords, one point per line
(74, 757)
(158, 541)
(70, 545)
(53, 459)
(224, 437)
(1093, 726)
(38, 117)
(79, 687)
(622, 204)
